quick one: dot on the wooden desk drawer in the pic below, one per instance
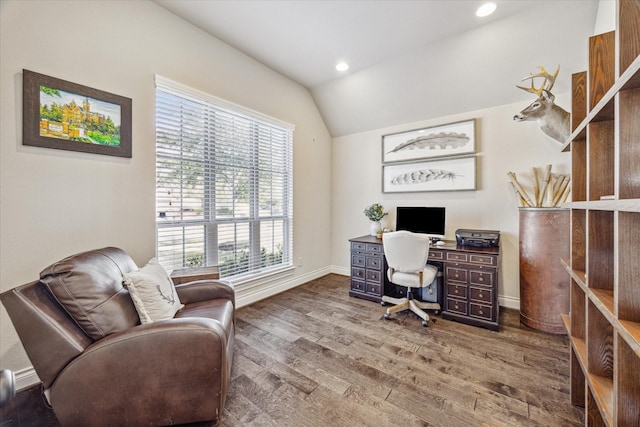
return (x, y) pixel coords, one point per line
(358, 260)
(481, 311)
(357, 285)
(481, 294)
(481, 277)
(358, 246)
(358, 273)
(458, 291)
(482, 259)
(457, 274)
(457, 256)
(374, 262)
(456, 306)
(436, 255)
(374, 276)
(374, 288)
(375, 249)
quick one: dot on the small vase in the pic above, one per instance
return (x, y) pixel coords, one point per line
(374, 227)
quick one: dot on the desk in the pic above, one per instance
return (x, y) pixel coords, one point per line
(470, 288)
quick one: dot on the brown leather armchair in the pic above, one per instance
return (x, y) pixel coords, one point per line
(100, 366)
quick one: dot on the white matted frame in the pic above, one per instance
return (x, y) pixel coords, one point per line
(451, 174)
(452, 139)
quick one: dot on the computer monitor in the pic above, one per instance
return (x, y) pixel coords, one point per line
(421, 219)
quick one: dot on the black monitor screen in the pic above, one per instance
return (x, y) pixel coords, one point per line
(427, 220)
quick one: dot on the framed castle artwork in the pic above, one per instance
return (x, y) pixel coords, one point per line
(67, 116)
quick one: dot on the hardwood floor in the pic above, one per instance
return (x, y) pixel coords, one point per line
(313, 356)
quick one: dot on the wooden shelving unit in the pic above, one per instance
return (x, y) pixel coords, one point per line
(604, 319)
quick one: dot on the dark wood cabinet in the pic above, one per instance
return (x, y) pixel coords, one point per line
(368, 268)
(471, 286)
(470, 279)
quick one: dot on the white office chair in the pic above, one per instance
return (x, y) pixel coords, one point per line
(407, 255)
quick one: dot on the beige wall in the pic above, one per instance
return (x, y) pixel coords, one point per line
(502, 146)
(55, 203)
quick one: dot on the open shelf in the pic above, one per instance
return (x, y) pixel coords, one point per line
(600, 361)
(603, 300)
(629, 106)
(601, 160)
(602, 389)
(594, 416)
(630, 332)
(577, 310)
(578, 240)
(628, 386)
(628, 266)
(604, 323)
(628, 34)
(599, 344)
(579, 171)
(600, 250)
(580, 348)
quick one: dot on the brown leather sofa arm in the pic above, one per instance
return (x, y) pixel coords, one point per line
(154, 373)
(205, 290)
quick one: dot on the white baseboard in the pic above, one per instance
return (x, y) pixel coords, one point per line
(250, 295)
(343, 271)
(509, 302)
(26, 378)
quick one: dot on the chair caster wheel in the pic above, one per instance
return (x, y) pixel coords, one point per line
(425, 323)
(437, 312)
(386, 316)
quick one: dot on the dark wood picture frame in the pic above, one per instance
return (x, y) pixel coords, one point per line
(69, 134)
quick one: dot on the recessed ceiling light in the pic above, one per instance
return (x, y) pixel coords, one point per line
(342, 66)
(486, 9)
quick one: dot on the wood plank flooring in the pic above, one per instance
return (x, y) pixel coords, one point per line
(313, 356)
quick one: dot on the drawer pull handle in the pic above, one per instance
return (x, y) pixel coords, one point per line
(480, 312)
(456, 306)
(480, 295)
(457, 292)
(481, 278)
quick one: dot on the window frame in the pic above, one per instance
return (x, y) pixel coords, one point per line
(259, 125)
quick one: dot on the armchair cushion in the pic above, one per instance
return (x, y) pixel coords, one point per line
(89, 288)
(152, 292)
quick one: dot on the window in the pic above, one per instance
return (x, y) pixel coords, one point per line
(223, 184)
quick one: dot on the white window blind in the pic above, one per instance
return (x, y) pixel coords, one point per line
(223, 184)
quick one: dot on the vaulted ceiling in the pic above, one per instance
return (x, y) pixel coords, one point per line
(409, 60)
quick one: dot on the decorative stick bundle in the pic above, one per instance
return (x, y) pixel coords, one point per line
(551, 191)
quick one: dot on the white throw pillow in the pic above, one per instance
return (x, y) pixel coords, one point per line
(152, 292)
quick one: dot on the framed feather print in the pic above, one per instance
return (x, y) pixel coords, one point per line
(451, 139)
(431, 175)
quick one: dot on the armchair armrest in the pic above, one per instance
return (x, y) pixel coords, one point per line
(205, 290)
(161, 380)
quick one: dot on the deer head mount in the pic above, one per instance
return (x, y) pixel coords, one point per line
(553, 120)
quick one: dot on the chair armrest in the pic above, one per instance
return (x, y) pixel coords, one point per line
(205, 290)
(152, 370)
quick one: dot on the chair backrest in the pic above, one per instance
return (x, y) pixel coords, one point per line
(406, 251)
(76, 301)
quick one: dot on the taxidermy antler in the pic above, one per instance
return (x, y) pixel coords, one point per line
(553, 120)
